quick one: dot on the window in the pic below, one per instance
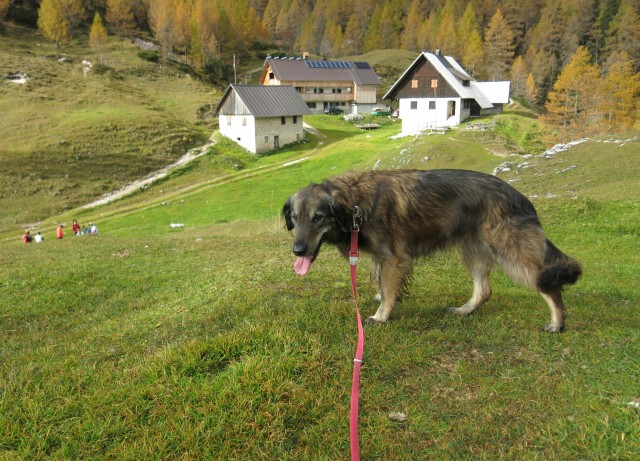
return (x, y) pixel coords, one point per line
(295, 119)
(266, 139)
(414, 83)
(434, 83)
(244, 121)
(283, 120)
(228, 120)
(432, 105)
(414, 105)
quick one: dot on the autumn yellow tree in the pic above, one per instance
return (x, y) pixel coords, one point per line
(410, 38)
(161, 23)
(518, 76)
(52, 21)
(4, 7)
(621, 88)
(573, 106)
(498, 46)
(120, 16)
(98, 37)
(531, 89)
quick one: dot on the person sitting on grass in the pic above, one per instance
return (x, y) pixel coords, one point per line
(39, 238)
(27, 238)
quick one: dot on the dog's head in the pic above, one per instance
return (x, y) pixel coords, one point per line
(316, 215)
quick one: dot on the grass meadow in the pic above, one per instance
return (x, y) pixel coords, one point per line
(149, 342)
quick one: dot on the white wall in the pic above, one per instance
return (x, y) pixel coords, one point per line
(422, 118)
(258, 135)
(240, 129)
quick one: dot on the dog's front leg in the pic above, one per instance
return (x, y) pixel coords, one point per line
(393, 273)
(376, 270)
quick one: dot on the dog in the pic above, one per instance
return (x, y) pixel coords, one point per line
(406, 214)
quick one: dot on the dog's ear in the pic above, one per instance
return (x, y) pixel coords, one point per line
(286, 212)
(340, 213)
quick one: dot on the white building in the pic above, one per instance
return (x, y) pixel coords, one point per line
(435, 92)
(261, 118)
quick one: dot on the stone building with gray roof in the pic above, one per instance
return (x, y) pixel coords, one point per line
(261, 118)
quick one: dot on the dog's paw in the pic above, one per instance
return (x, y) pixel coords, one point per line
(371, 320)
(553, 328)
(459, 311)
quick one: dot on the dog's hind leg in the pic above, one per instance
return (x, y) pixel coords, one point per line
(558, 312)
(479, 264)
(393, 274)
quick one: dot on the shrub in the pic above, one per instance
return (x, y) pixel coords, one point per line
(152, 56)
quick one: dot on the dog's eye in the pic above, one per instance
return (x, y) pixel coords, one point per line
(317, 219)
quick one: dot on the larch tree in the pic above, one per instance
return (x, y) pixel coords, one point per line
(410, 38)
(518, 76)
(373, 35)
(574, 104)
(531, 89)
(161, 23)
(621, 88)
(98, 37)
(52, 22)
(624, 34)
(498, 47)
(353, 36)
(120, 16)
(4, 8)
(181, 28)
(471, 41)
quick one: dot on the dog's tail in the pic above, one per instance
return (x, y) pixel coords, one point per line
(558, 270)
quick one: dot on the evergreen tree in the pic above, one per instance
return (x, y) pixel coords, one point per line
(499, 47)
(574, 103)
(98, 37)
(52, 22)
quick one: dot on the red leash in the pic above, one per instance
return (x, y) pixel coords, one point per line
(357, 361)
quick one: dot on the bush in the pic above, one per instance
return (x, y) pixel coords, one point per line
(152, 56)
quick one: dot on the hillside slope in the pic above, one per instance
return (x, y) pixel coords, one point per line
(74, 130)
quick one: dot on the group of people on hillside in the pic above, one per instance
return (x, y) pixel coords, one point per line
(91, 229)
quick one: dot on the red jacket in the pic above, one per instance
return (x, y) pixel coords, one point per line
(59, 233)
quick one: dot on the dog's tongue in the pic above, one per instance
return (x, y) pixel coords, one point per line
(302, 265)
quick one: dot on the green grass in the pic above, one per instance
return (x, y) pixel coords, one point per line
(148, 342)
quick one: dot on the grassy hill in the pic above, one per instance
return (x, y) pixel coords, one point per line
(67, 136)
(200, 342)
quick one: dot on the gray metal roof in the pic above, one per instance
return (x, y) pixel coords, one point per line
(291, 70)
(262, 101)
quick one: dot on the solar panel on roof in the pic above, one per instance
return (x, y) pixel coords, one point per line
(362, 65)
(327, 64)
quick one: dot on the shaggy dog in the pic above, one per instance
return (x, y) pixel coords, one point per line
(406, 214)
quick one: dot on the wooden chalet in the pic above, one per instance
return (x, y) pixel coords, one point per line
(436, 92)
(350, 86)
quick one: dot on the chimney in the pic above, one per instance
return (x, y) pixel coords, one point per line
(438, 53)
